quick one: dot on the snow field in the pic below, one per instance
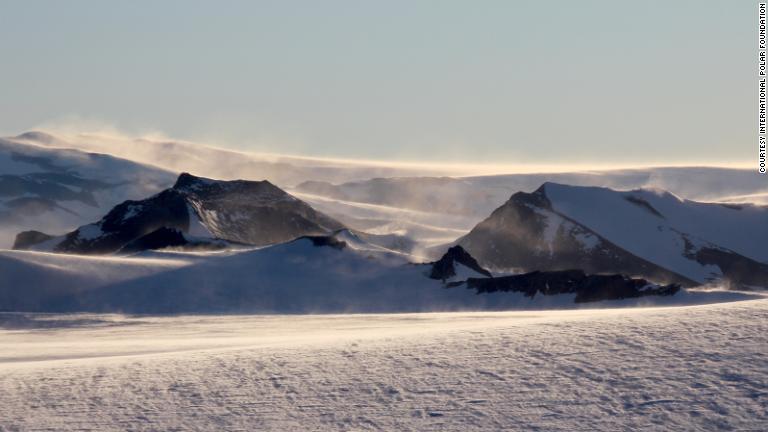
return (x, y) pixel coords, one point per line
(677, 368)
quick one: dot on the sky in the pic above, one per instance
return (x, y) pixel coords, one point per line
(516, 82)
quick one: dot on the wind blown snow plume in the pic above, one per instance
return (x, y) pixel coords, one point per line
(57, 188)
(226, 164)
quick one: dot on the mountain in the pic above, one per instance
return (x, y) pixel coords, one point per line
(215, 162)
(437, 210)
(648, 233)
(431, 205)
(63, 188)
(479, 195)
(312, 274)
(196, 211)
(426, 228)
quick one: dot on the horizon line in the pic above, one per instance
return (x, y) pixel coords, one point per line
(469, 169)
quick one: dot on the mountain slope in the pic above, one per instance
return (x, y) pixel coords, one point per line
(312, 274)
(437, 210)
(642, 232)
(479, 195)
(221, 163)
(60, 189)
(246, 212)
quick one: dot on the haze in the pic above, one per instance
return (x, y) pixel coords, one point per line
(540, 83)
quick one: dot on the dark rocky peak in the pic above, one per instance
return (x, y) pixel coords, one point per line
(187, 181)
(168, 206)
(242, 212)
(445, 267)
(204, 188)
(537, 198)
(527, 233)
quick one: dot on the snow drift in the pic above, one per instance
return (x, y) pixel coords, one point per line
(340, 273)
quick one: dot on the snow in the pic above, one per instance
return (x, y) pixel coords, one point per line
(480, 195)
(683, 368)
(31, 278)
(196, 227)
(89, 232)
(103, 167)
(544, 364)
(469, 198)
(209, 161)
(47, 245)
(553, 224)
(132, 211)
(84, 233)
(707, 184)
(120, 180)
(735, 229)
(661, 240)
(588, 240)
(463, 273)
(760, 198)
(426, 228)
(295, 277)
(439, 210)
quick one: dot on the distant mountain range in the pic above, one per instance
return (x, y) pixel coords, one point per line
(70, 185)
(648, 233)
(479, 195)
(436, 210)
(216, 162)
(367, 245)
(60, 188)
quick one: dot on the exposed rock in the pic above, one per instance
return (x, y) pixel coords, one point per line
(588, 288)
(445, 268)
(157, 239)
(739, 271)
(246, 212)
(644, 204)
(527, 234)
(28, 238)
(330, 241)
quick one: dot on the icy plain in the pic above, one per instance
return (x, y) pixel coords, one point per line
(673, 368)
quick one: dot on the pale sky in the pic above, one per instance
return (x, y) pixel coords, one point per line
(652, 82)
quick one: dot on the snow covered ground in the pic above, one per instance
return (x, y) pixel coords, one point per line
(675, 368)
(295, 277)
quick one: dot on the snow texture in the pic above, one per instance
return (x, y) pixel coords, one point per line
(690, 368)
(655, 225)
(295, 277)
(65, 188)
